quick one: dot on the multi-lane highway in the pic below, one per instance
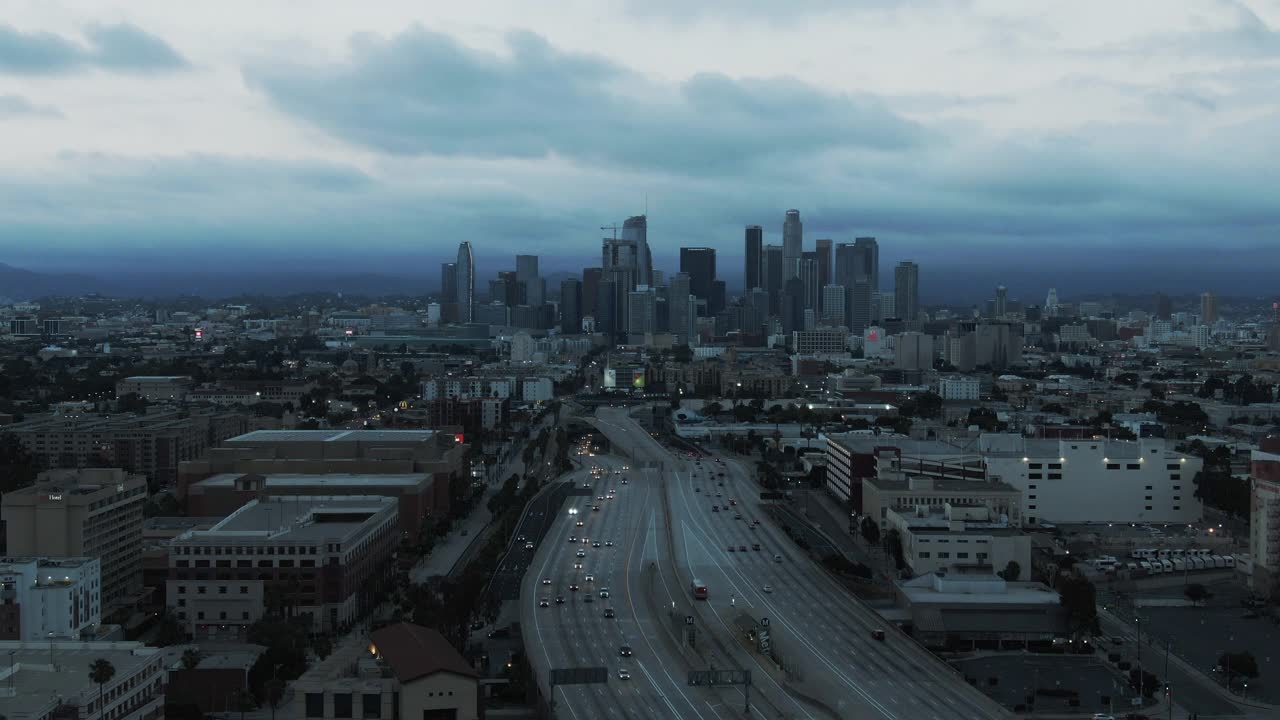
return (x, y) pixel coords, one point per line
(826, 640)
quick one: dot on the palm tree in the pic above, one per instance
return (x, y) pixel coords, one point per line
(191, 658)
(101, 671)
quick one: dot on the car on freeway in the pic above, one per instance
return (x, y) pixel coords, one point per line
(559, 599)
(577, 565)
(1103, 716)
(624, 674)
(755, 546)
(599, 497)
(718, 494)
(499, 633)
(528, 546)
(732, 501)
(579, 523)
(730, 548)
(777, 558)
(573, 587)
(737, 516)
(595, 544)
(624, 481)
(544, 603)
(546, 581)
(582, 553)
(878, 634)
(742, 548)
(608, 543)
(595, 508)
(625, 651)
(573, 538)
(767, 588)
(588, 578)
(609, 613)
(604, 592)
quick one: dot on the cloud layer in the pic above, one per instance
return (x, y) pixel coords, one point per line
(120, 47)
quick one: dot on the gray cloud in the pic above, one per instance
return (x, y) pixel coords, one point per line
(422, 93)
(121, 47)
(16, 105)
(736, 10)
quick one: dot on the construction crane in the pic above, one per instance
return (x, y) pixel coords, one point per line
(614, 228)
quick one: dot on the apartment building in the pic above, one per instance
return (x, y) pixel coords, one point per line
(94, 513)
(45, 680)
(938, 537)
(326, 558)
(153, 444)
(1061, 480)
(959, 387)
(1264, 525)
(42, 598)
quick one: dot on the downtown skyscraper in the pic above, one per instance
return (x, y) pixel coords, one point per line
(906, 291)
(636, 229)
(466, 282)
(753, 254)
(792, 244)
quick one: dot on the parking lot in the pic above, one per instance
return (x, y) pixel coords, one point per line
(1200, 635)
(1020, 674)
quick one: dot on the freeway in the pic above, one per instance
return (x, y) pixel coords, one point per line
(822, 635)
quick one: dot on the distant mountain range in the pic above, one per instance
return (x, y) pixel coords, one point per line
(18, 284)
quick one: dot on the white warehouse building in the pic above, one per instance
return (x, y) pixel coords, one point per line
(1095, 480)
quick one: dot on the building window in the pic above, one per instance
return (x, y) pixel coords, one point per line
(244, 589)
(342, 705)
(315, 705)
(1113, 466)
(222, 615)
(944, 555)
(222, 589)
(1055, 476)
(1035, 466)
(1035, 476)
(1148, 487)
(1177, 497)
(1147, 497)
(200, 589)
(1031, 497)
(1172, 466)
(1031, 507)
(1175, 476)
(1176, 507)
(1133, 466)
(1055, 466)
(182, 589)
(200, 615)
(1031, 487)
(1177, 487)
(182, 602)
(923, 555)
(372, 705)
(962, 554)
(1148, 507)
(244, 616)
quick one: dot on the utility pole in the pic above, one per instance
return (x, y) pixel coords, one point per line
(1141, 679)
(1168, 692)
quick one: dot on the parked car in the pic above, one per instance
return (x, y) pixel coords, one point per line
(878, 634)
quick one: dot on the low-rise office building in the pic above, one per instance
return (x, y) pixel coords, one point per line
(94, 513)
(42, 598)
(936, 537)
(44, 680)
(156, 388)
(225, 493)
(1264, 525)
(968, 606)
(328, 558)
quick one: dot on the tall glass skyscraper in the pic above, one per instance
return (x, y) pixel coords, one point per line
(636, 229)
(754, 253)
(792, 244)
(906, 291)
(466, 283)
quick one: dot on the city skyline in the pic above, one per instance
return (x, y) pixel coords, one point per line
(1041, 138)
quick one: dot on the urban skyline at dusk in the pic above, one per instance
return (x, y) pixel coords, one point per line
(142, 137)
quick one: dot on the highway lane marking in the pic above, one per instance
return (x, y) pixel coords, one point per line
(645, 637)
(695, 532)
(855, 616)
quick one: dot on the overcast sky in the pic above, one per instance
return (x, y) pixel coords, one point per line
(376, 135)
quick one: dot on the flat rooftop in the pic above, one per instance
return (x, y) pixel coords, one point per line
(335, 480)
(40, 685)
(335, 436)
(300, 518)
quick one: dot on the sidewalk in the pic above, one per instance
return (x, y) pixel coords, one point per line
(449, 549)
